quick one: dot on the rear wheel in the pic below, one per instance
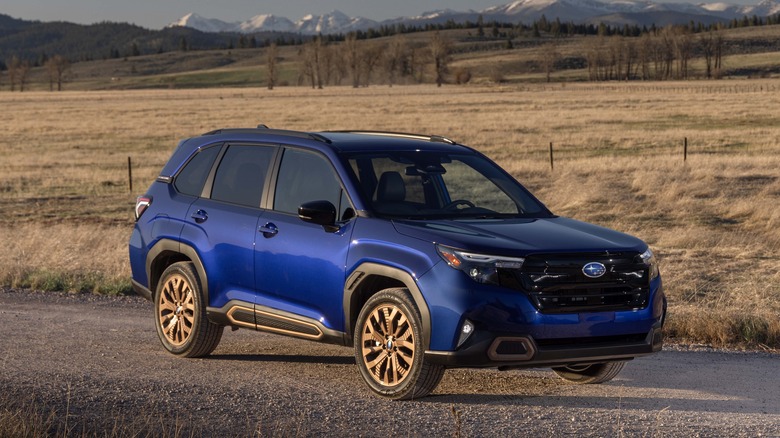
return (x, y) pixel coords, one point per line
(389, 348)
(594, 373)
(180, 313)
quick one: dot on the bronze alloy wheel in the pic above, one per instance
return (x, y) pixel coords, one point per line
(388, 345)
(180, 313)
(176, 310)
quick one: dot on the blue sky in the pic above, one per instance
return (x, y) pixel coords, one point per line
(156, 14)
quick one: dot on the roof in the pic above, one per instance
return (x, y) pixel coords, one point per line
(352, 141)
(337, 141)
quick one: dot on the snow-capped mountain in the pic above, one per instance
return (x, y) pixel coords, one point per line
(763, 9)
(520, 11)
(266, 22)
(334, 22)
(195, 21)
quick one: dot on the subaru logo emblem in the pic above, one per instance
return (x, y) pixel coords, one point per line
(594, 270)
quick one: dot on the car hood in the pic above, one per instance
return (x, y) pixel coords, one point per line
(520, 236)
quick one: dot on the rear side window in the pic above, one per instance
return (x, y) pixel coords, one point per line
(191, 178)
(241, 174)
(305, 177)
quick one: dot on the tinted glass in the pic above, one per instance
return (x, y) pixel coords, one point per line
(305, 177)
(420, 185)
(191, 178)
(241, 174)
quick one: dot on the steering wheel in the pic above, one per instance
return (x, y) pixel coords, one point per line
(454, 204)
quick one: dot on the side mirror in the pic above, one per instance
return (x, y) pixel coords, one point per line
(320, 213)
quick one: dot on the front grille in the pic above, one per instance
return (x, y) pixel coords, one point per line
(555, 283)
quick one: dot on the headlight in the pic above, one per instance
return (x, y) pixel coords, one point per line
(482, 268)
(652, 264)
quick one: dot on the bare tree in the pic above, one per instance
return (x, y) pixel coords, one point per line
(417, 63)
(440, 53)
(615, 58)
(711, 45)
(394, 57)
(683, 48)
(549, 57)
(596, 56)
(318, 49)
(272, 57)
(23, 74)
(668, 52)
(645, 54)
(13, 71)
(335, 67)
(352, 55)
(370, 59)
(718, 44)
(707, 46)
(631, 57)
(312, 54)
(57, 67)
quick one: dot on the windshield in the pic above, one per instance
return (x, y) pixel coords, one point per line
(431, 185)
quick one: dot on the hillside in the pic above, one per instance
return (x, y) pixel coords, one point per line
(35, 40)
(747, 52)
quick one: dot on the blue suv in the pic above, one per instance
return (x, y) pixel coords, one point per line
(419, 252)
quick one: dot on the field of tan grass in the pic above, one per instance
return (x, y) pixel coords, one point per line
(714, 220)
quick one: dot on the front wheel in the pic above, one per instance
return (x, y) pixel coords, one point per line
(595, 373)
(389, 348)
(180, 313)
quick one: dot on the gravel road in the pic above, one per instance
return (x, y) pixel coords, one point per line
(96, 361)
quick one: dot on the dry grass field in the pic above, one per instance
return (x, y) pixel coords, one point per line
(714, 220)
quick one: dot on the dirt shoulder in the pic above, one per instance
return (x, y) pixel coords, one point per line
(96, 363)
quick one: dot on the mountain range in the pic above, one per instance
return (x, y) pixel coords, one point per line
(612, 12)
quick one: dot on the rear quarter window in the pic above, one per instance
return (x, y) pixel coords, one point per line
(191, 178)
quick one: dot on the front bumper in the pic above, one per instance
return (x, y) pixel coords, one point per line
(488, 349)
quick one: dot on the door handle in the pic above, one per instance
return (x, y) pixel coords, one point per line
(269, 230)
(200, 216)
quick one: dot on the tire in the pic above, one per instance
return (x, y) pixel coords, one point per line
(390, 350)
(595, 373)
(180, 313)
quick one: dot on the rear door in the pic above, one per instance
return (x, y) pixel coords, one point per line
(222, 224)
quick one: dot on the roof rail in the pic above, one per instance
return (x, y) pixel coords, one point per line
(265, 130)
(433, 138)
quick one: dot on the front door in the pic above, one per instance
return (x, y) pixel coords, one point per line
(299, 264)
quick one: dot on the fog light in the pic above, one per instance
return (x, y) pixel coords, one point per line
(465, 332)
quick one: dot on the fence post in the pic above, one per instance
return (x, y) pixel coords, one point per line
(551, 157)
(685, 150)
(130, 174)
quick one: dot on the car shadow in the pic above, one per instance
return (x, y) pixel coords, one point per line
(715, 382)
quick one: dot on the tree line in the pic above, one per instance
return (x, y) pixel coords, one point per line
(359, 60)
(661, 55)
(57, 68)
(396, 60)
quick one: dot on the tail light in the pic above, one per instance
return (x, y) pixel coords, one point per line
(141, 204)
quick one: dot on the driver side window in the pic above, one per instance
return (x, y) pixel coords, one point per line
(304, 177)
